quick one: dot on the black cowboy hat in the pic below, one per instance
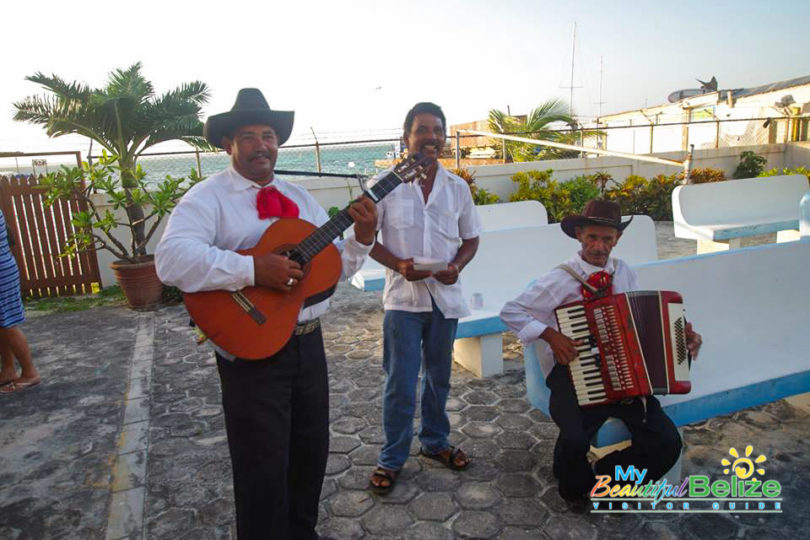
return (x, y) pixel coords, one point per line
(250, 108)
(597, 212)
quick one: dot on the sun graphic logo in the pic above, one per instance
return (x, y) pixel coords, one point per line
(743, 466)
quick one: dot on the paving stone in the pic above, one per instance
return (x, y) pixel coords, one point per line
(516, 460)
(516, 440)
(477, 495)
(433, 506)
(365, 455)
(341, 528)
(337, 463)
(348, 425)
(350, 503)
(387, 520)
(438, 480)
(476, 524)
(514, 422)
(425, 530)
(517, 485)
(481, 413)
(526, 512)
(342, 444)
(481, 430)
(480, 397)
(570, 527)
(514, 405)
(521, 533)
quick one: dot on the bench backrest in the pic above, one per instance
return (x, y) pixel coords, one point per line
(508, 260)
(739, 202)
(511, 215)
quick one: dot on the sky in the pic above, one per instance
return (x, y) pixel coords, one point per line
(352, 69)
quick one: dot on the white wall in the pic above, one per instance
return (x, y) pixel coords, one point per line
(497, 178)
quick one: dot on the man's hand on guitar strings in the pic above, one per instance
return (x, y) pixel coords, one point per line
(363, 212)
(276, 272)
(405, 267)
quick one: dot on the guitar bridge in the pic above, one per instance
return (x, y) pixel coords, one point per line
(249, 307)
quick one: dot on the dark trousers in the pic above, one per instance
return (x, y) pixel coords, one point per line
(277, 420)
(656, 443)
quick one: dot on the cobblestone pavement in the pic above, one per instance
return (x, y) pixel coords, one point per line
(126, 438)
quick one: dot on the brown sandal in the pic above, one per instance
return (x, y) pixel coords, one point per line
(449, 457)
(385, 482)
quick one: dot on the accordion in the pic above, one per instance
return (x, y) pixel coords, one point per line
(632, 344)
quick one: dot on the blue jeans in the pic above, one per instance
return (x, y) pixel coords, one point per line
(409, 340)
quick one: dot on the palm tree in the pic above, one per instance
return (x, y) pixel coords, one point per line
(536, 125)
(125, 117)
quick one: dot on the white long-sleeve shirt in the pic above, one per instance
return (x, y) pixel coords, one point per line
(412, 227)
(532, 312)
(217, 217)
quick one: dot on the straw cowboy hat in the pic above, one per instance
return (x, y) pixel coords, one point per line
(597, 212)
(250, 108)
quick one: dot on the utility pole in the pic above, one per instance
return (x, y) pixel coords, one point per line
(571, 92)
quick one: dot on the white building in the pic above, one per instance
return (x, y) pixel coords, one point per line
(772, 113)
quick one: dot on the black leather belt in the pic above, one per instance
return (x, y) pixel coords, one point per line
(305, 327)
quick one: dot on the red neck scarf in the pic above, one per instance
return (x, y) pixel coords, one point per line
(603, 283)
(270, 202)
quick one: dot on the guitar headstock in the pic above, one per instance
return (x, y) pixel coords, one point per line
(414, 167)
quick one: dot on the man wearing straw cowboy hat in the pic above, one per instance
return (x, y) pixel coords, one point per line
(656, 442)
(277, 408)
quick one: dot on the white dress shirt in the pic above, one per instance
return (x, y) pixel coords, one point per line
(412, 227)
(217, 217)
(532, 312)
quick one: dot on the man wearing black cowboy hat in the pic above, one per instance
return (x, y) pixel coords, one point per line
(276, 409)
(656, 442)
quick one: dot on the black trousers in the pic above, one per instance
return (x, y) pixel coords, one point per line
(277, 420)
(656, 443)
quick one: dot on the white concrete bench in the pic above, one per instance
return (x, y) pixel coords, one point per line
(719, 214)
(750, 306)
(506, 262)
(494, 217)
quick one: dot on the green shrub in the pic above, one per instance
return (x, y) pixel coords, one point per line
(480, 196)
(538, 186)
(786, 171)
(704, 175)
(750, 166)
(581, 190)
(637, 195)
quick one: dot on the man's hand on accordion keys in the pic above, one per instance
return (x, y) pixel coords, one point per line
(563, 347)
(693, 341)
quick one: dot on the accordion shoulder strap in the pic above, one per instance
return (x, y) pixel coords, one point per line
(578, 278)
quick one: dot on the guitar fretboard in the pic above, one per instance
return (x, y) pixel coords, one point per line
(326, 233)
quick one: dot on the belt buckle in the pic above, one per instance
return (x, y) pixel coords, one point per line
(306, 327)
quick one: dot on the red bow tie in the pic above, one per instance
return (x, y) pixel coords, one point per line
(603, 283)
(270, 202)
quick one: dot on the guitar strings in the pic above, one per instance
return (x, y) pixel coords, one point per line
(320, 238)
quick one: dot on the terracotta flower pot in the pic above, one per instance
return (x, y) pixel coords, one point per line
(139, 282)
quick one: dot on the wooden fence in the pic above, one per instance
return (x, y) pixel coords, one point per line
(39, 234)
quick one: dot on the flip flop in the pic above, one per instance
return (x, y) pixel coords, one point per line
(448, 456)
(6, 383)
(17, 386)
(386, 475)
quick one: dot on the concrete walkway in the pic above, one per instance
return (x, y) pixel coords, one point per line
(125, 438)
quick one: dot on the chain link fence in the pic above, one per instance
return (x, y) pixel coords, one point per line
(368, 157)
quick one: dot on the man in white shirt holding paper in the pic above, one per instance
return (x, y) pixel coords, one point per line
(429, 234)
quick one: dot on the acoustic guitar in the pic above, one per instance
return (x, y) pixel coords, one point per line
(256, 322)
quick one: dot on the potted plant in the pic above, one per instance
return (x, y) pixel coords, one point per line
(106, 223)
(125, 117)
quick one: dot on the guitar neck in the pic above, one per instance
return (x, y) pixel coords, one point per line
(326, 233)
